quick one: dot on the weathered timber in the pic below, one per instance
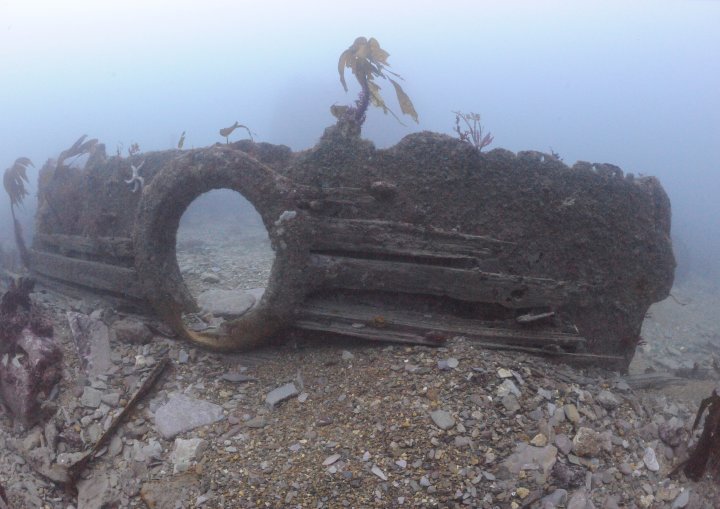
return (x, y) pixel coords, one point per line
(463, 284)
(362, 321)
(119, 248)
(401, 239)
(404, 328)
(92, 275)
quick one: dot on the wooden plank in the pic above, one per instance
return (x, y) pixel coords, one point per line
(375, 236)
(114, 247)
(390, 334)
(464, 284)
(370, 333)
(94, 275)
(419, 325)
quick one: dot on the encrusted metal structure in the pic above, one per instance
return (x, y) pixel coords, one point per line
(417, 243)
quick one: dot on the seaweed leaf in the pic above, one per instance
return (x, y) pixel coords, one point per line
(227, 131)
(14, 180)
(406, 105)
(368, 61)
(78, 148)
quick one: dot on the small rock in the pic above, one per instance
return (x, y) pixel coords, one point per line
(280, 394)
(682, 499)
(445, 364)
(587, 442)
(347, 355)
(331, 459)
(182, 413)
(376, 470)
(237, 378)
(607, 400)
(209, 277)
(442, 419)
(508, 387)
(539, 440)
(650, 460)
(131, 331)
(572, 414)
(504, 373)
(91, 398)
(557, 498)
(186, 452)
(564, 444)
(256, 422)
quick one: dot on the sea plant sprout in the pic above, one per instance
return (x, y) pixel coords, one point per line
(368, 61)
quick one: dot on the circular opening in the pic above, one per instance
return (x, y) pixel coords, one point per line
(225, 258)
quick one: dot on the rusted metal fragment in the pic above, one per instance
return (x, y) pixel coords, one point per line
(30, 360)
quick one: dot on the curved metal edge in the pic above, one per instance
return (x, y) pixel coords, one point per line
(158, 216)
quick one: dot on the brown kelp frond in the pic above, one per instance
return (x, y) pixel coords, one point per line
(368, 61)
(227, 131)
(473, 131)
(14, 180)
(78, 148)
(707, 450)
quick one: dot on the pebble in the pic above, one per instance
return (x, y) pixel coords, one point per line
(449, 363)
(280, 394)
(650, 460)
(442, 419)
(378, 472)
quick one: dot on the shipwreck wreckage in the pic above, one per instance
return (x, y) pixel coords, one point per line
(418, 243)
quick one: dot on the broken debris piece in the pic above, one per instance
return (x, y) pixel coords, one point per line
(280, 394)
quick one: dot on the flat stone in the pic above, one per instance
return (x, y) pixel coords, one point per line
(237, 378)
(607, 400)
(650, 460)
(131, 331)
(508, 387)
(281, 394)
(92, 342)
(96, 491)
(331, 459)
(226, 303)
(682, 500)
(182, 413)
(91, 398)
(257, 422)
(347, 355)
(528, 457)
(510, 403)
(572, 414)
(557, 498)
(442, 419)
(564, 444)
(170, 492)
(446, 364)
(186, 452)
(587, 442)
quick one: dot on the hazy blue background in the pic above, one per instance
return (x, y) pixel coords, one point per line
(633, 83)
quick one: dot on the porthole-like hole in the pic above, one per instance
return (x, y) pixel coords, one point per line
(224, 256)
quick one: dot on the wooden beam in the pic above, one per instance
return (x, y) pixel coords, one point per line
(464, 284)
(363, 319)
(375, 236)
(94, 275)
(114, 247)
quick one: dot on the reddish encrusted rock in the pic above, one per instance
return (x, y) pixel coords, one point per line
(30, 360)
